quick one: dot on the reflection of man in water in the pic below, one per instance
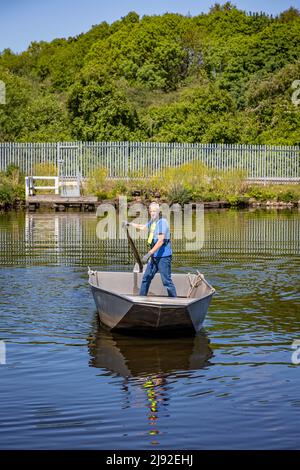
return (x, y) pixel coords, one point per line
(159, 256)
(152, 386)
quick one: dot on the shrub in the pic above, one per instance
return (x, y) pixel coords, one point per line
(12, 170)
(119, 188)
(287, 196)
(238, 200)
(147, 188)
(6, 194)
(12, 188)
(97, 183)
(284, 193)
(262, 193)
(229, 182)
(179, 194)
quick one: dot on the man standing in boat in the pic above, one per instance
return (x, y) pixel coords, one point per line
(159, 256)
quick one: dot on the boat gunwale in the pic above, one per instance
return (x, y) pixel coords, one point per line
(190, 300)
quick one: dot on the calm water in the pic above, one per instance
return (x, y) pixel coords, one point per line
(69, 384)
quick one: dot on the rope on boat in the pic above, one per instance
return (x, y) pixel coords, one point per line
(193, 285)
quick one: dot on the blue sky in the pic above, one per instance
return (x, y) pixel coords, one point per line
(23, 21)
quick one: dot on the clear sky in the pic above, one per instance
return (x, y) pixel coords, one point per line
(23, 21)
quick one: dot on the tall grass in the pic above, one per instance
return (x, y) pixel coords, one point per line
(190, 182)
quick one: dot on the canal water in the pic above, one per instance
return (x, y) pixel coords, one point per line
(67, 383)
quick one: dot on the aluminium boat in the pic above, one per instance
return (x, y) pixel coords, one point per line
(120, 307)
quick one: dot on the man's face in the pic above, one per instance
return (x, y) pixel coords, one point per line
(154, 213)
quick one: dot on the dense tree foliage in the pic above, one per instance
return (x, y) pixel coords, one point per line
(226, 76)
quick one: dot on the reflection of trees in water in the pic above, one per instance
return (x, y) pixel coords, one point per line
(70, 238)
(146, 363)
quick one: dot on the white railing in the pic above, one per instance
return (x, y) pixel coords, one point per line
(30, 187)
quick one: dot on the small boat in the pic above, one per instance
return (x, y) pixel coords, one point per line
(121, 308)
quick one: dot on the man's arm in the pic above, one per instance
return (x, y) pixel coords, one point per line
(139, 226)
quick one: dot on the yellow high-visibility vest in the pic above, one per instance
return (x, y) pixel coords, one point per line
(151, 233)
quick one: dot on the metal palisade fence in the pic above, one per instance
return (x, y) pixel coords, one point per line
(144, 159)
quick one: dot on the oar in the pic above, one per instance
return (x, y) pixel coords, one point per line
(134, 250)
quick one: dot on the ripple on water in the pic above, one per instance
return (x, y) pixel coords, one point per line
(67, 383)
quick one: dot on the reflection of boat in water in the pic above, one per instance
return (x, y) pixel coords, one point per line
(130, 356)
(145, 364)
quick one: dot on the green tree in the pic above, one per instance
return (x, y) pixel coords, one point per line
(99, 111)
(224, 76)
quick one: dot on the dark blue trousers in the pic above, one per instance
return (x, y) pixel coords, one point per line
(163, 265)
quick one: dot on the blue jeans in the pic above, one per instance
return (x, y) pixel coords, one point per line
(163, 265)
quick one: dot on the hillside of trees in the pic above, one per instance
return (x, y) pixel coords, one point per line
(225, 76)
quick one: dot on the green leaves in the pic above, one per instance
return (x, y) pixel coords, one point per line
(224, 77)
(99, 111)
(11, 187)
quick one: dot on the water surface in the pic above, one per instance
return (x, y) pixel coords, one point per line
(70, 384)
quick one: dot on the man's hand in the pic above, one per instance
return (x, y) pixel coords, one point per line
(146, 257)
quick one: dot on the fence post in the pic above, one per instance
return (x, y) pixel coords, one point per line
(127, 160)
(26, 187)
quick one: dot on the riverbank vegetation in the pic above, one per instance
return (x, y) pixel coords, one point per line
(226, 76)
(12, 188)
(192, 182)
